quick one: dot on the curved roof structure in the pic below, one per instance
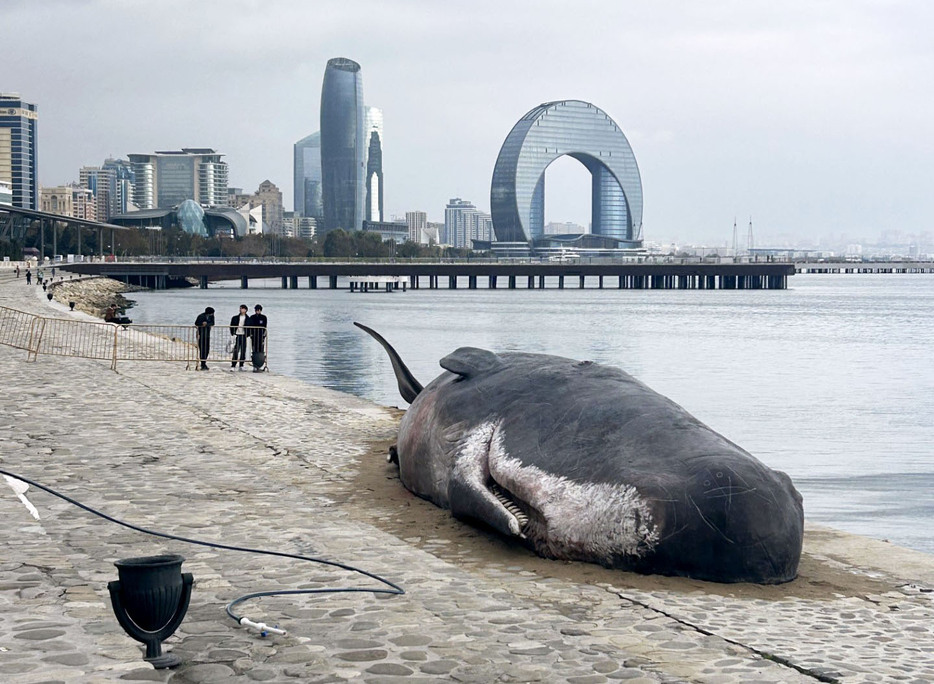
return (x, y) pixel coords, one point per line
(585, 132)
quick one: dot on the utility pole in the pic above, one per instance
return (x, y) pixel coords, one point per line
(735, 240)
(750, 244)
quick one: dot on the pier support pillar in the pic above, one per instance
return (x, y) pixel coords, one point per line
(312, 282)
(244, 283)
(472, 282)
(293, 282)
(530, 285)
(492, 285)
(600, 281)
(203, 282)
(560, 282)
(285, 282)
(332, 282)
(512, 282)
(583, 282)
(541, 282)
(452, 282)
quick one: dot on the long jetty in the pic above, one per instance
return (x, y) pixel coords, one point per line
(638, 276)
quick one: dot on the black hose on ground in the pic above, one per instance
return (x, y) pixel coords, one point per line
(392, 587)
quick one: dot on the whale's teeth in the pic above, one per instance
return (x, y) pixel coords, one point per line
(510, 505)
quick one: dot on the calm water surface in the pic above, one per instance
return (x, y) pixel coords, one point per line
(831, 380)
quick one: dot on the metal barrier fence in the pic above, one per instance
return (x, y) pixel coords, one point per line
(113, 341)
(18, 329)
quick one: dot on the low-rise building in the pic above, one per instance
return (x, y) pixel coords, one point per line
(68, 200)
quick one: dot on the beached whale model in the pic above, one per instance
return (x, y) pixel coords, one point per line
(584, 462)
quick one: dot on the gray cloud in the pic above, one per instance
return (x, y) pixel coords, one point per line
(810, 116)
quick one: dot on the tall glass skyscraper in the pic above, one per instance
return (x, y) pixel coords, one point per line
(342, 145)
(373, 138)
(18, 150)
(307, 177)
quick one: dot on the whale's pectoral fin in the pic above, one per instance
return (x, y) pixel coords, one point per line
(468, 361)
(469, 499)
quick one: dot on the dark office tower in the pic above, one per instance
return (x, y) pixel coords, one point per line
(342, 145)
(307, 169)
(18, 160)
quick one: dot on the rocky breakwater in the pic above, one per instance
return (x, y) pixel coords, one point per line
(94, 295)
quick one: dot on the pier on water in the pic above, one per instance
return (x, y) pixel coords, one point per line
(366, 277)
(836, 267)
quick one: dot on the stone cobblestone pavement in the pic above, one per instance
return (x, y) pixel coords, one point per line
(266, 461)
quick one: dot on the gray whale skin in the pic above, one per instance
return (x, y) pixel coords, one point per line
(582, 461)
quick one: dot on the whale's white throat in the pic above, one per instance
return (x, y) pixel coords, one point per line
(568, 519)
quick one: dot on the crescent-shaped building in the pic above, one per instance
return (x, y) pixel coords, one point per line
(585, 132)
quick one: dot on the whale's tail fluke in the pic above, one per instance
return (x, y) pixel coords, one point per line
(409, 387)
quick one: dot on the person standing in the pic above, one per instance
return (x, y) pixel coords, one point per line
(238, 330)
(257, 323)
(28, 276)
(204, 322)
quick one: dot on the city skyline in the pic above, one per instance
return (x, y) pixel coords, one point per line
(811, 118)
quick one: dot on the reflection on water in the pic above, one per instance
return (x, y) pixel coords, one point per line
(343, 363)
(830, 380)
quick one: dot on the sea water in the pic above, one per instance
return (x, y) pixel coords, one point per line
(831, 380)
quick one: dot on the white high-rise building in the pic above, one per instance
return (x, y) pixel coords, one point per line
(417, 222)
(167, 178)
(463, 224)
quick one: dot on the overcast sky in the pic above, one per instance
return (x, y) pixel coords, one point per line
(813, 117)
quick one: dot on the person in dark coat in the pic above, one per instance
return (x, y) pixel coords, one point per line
(204, 322)
(257, 323)
(238, 330)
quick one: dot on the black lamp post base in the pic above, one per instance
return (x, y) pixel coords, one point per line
(164, 661)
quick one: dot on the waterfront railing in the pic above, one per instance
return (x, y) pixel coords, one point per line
(48, 336)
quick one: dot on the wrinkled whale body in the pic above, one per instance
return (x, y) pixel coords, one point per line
(583, 462)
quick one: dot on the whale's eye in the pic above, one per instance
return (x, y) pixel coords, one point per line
(706, 483)
(719, 475)
(583, 364)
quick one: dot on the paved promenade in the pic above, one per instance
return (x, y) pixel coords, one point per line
(265, 461)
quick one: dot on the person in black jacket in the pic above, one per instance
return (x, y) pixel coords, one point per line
(257, 323)
(238, 330)
(204, 322)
